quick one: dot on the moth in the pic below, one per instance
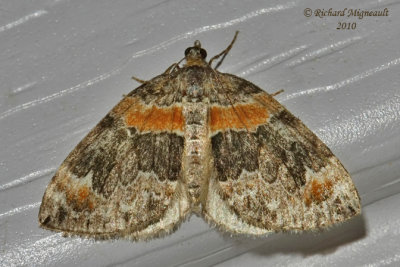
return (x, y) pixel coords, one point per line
(195, 140)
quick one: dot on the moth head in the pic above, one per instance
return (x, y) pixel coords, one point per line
(195, 55)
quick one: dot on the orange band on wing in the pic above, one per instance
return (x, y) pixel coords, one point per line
(154, 118)
(240, 116)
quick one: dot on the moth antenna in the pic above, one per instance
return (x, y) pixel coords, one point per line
(223, 53)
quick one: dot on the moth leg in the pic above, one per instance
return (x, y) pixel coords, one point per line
(277, 92)
(173, 67)
(139, 80)
(170, 68)
(223, 53)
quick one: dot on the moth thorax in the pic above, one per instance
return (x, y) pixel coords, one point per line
(196, 150)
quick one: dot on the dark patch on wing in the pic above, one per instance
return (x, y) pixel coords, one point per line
(47, 220)
(97, 152)
(61, 214)
(284, 139)
(234, 152)
(110, 153)
(160, 153)
(106, 122)
(294, 145)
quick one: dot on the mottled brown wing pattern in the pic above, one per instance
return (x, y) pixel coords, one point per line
(274, 175)
(197, 140)
(122, 179)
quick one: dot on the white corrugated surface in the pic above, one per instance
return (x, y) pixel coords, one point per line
(64, 64)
